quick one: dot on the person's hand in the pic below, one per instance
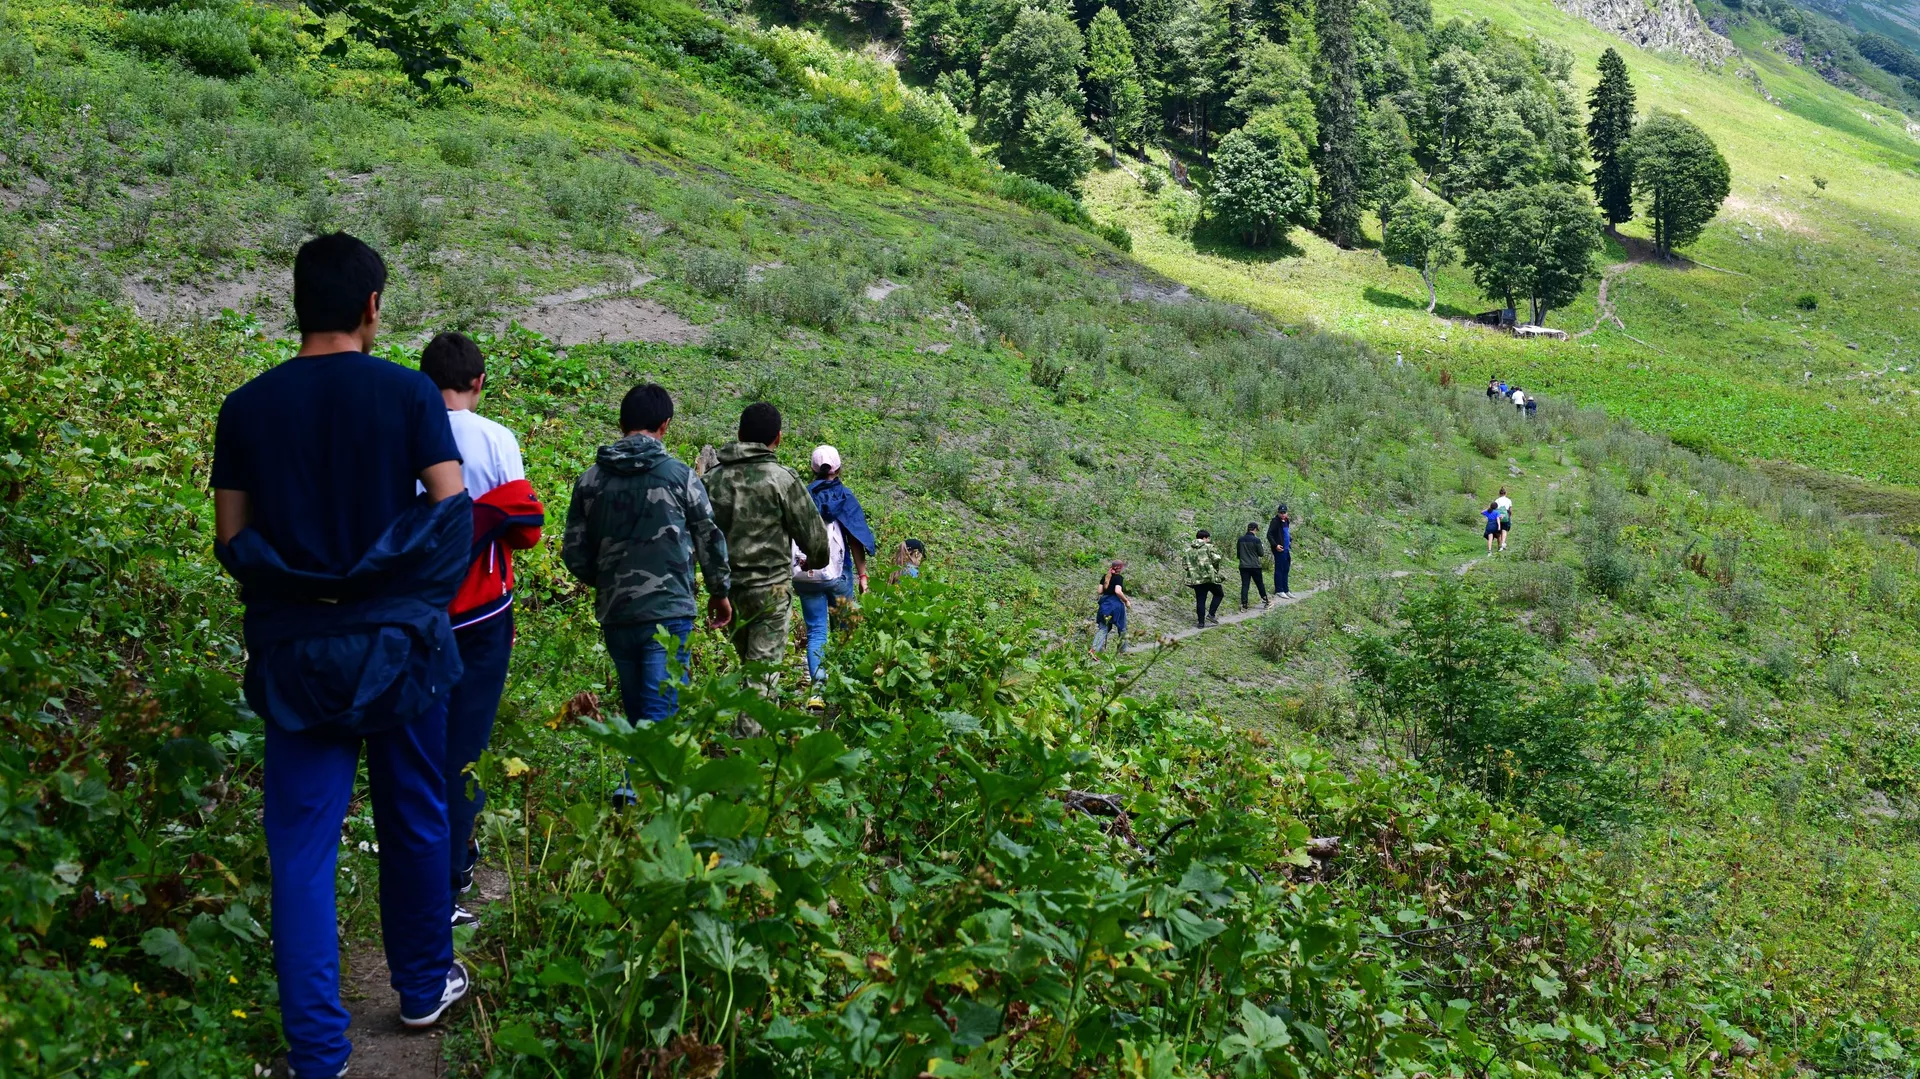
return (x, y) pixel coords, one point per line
(719, 612)
(863, 583)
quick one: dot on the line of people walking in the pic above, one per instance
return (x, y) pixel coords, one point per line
(370, 517)
(1202, 565)
(1523, 402)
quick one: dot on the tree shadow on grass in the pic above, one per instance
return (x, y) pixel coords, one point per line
(1212, 238)
(1393, 301)
(1380, 297)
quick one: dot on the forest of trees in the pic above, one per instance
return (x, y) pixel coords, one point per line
(1460, 137)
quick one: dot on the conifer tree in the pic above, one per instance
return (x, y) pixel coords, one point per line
(1112, 78)
(1609, 126)
(1341, 137)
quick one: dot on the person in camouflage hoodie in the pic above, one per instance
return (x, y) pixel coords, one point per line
(764, 509)
(638, 521)
(1203, 576)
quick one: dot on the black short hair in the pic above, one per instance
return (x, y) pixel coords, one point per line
(452, 361)
(1203, 534)
(332, 277)
(645, 407)
(760, 422)
(1251, 527)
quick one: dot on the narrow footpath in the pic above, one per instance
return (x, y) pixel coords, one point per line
(1252, 613)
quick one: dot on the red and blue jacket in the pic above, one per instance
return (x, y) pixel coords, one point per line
(505, 519)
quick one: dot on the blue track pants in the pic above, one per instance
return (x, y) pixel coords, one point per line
(308, 782)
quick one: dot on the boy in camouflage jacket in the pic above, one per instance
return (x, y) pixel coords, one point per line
(1203, 576)
(637, 522)
(765, 510)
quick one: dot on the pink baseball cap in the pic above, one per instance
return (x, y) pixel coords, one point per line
(826, 455)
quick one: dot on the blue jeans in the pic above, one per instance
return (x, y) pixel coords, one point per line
(816, 609)
(485, 648)
(641, 664)
(308, 780)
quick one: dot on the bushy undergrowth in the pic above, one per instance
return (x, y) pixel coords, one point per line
(992, 862)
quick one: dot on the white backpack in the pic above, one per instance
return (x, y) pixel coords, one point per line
(836, 559)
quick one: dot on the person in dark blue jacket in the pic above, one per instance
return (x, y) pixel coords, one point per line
(827, 589)
(346, 572)
(1280, 539)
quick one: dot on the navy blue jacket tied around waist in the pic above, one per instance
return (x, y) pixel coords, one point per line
(363, 651)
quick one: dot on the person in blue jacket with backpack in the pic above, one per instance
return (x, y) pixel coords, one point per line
(346, 574)
(825, 589)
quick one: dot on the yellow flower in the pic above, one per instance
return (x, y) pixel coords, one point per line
(141, 1064)
(231, 980)
(238, 1014)
(97, 942)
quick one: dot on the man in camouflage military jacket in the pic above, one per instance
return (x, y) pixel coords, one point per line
(1203, 576)
(765, 510)
(638, 521)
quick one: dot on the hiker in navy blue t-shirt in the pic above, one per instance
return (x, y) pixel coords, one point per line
(346, 573)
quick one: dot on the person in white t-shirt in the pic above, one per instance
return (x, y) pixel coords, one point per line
(1505, 506)
(507, 516)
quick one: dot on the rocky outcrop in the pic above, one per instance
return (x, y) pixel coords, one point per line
(1661, 25)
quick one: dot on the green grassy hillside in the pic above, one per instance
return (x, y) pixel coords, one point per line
(1720, 349)
(1683, 841)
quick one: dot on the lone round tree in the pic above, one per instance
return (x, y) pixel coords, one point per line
(1680, 177)
(1609, 127)
(1535, 242)
(1262, 180)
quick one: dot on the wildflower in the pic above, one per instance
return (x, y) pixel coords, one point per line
(238, 1014)
(141, 1064)
(231, 980)
(97, 942)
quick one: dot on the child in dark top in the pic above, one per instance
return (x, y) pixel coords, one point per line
(1112, 615)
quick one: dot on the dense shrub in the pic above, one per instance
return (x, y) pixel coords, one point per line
(713, 273)
(205, 40)
(608, 80)
(820, 297)
(459, 149)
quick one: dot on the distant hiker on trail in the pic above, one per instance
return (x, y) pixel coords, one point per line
(1532, 405)
(1505, 506)
(825, 590)
(1504, 388)
(1111, 616)
(346, 571)
(1519, 399)
(1203, 576)
(1253, 564)
(1493, 389)
(638, 523)
(765, 511)
(1280, 542)
(1492, 516)
(507, 517)
(906, 559)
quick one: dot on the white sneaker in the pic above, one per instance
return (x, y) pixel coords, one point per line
(457, 985)
(463, 916)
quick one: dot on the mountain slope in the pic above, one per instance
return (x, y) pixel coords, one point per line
(747, 214)
(1720, 349)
